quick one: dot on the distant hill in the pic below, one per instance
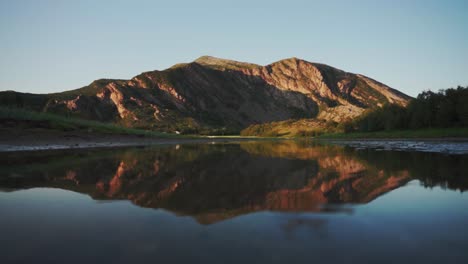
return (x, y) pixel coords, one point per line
(212, 95)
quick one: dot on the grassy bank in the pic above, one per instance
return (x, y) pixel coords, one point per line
(24, 119)
(396, 134)
(291, 128)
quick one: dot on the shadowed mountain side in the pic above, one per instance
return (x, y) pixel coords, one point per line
(183, 98)
(218, 94)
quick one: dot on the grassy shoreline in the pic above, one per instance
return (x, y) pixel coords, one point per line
(29, 119)
(61, 123)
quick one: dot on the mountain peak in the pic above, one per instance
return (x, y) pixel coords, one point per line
(220, 63)
(291, 60)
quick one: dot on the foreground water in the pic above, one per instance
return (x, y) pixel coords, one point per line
(248, 202)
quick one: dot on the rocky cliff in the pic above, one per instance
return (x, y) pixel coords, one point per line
(218, 94)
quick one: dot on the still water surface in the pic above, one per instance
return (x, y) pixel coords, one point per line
(248, 202)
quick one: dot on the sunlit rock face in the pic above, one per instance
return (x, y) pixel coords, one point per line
(218, 93)
(216, 182)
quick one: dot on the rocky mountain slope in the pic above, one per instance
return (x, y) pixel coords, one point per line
(212, 94)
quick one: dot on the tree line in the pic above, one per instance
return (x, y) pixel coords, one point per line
(442, 109)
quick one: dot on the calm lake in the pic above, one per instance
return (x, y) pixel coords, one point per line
(247, 202)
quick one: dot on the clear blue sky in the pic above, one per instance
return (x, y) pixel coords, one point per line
(50, 46)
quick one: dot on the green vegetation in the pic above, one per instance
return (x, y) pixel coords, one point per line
(292, 128)
(430, 115)
(444, 109)
(441, 114)
(62, 123)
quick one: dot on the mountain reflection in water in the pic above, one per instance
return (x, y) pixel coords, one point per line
(213, 182)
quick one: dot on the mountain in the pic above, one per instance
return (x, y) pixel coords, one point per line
(217, 94)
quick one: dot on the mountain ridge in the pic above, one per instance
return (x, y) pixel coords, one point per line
(218, 94)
